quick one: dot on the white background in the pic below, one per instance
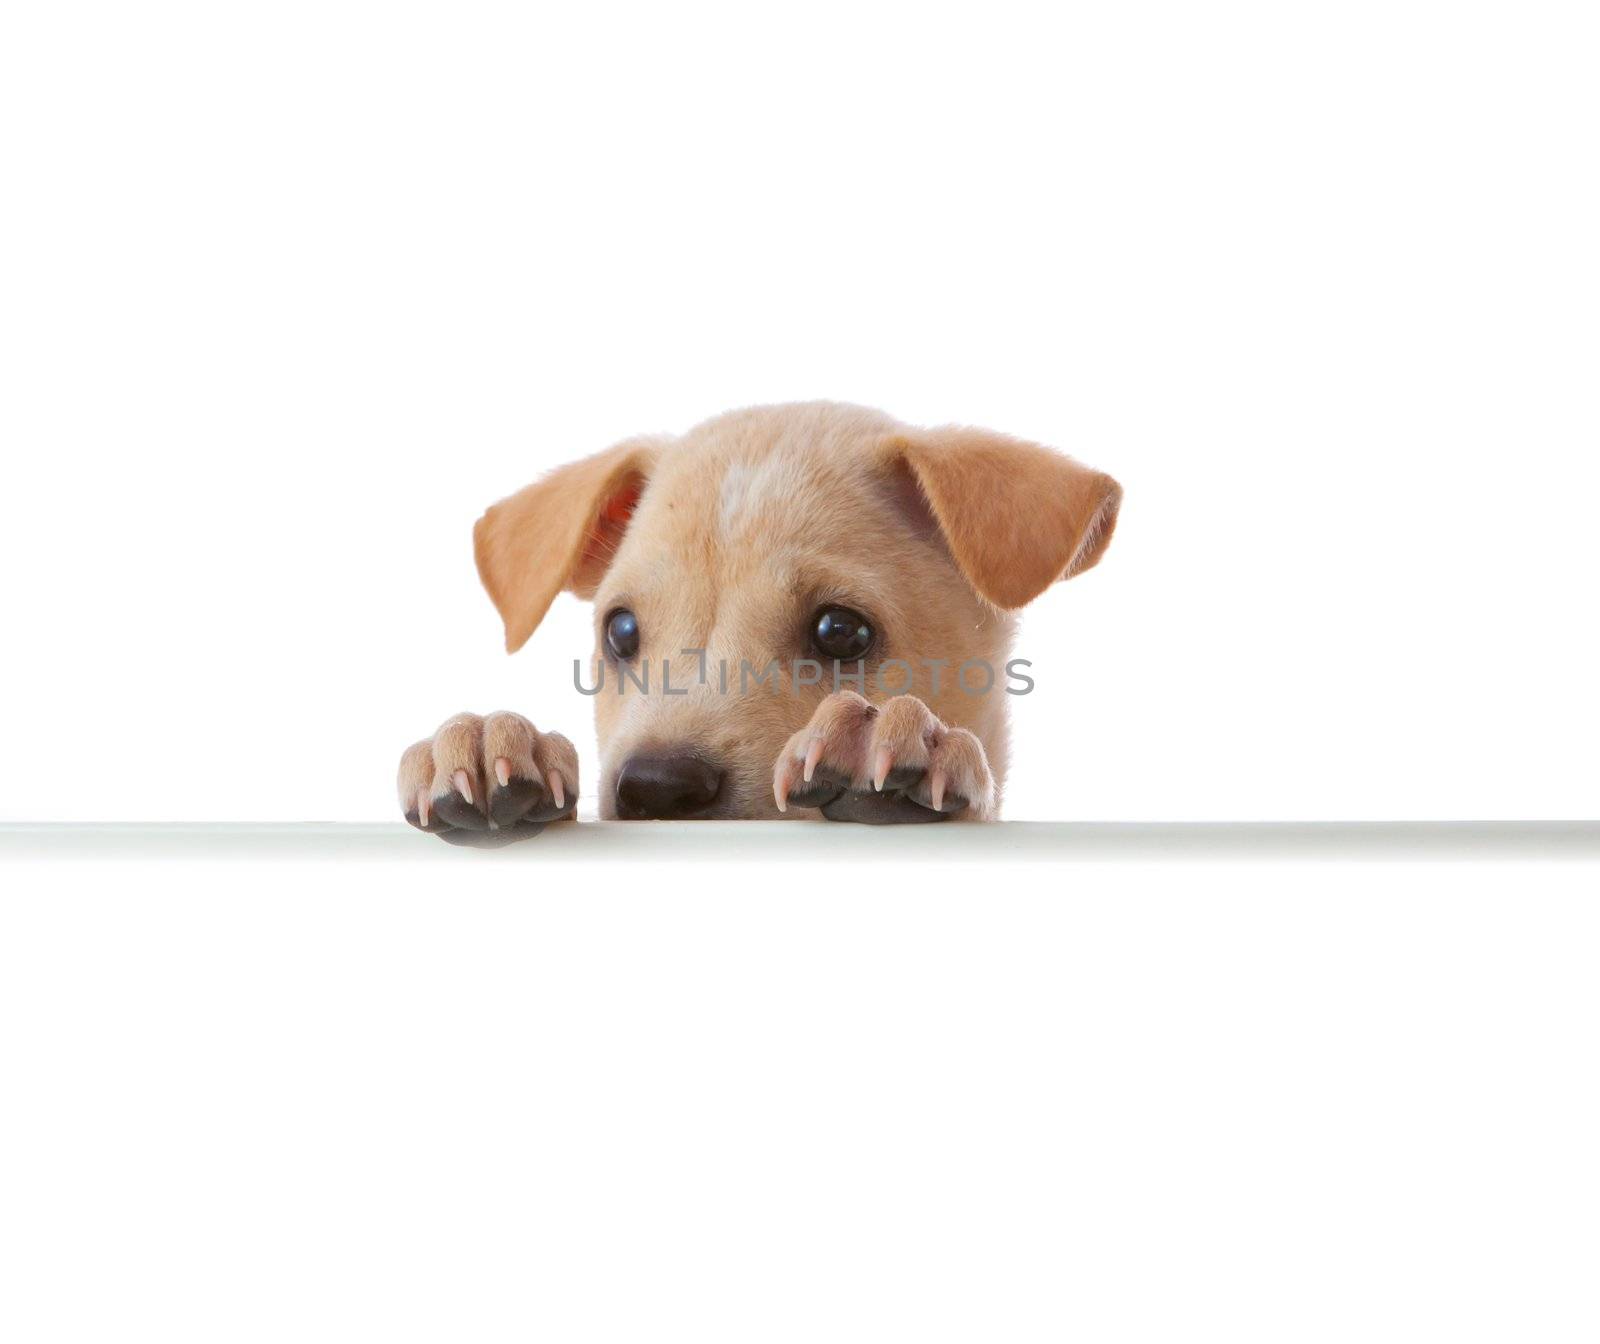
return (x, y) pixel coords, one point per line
(291, 292)
(528, 1102)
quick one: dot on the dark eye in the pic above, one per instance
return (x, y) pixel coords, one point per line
(841, 633)
(622, 634)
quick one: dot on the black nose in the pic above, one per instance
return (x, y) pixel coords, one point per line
(666, 787)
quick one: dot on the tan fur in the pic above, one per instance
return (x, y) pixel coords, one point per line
(730, 537)
(1017, 517)
(559, 532)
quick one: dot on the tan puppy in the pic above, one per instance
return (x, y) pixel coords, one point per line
(795, 610)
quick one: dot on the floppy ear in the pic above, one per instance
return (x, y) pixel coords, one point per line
(560, 532)
(1016, 516)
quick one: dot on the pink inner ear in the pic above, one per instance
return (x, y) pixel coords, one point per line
(607, 531)
(619, 508)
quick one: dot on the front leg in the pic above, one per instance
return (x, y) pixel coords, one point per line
(488, 779)
(885, 764)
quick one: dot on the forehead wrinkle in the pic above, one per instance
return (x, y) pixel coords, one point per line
(817, 579)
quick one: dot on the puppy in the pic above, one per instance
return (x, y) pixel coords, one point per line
(801, 611)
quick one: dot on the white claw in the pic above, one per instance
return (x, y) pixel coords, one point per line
(502, 770)
(558, 788)
(813, 755)
(423, 806)
(936, 788)
(463, 784)
(780, 788)
(880, 770)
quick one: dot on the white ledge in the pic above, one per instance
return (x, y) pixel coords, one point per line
(703, 841)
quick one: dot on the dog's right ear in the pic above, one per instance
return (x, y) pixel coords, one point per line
(558, 533)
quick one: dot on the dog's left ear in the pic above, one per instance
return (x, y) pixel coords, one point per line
(1017, 517)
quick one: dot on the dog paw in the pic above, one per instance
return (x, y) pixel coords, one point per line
(488, 780)
(888, 763)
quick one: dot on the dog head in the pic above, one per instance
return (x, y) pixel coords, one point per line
(745, 570)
